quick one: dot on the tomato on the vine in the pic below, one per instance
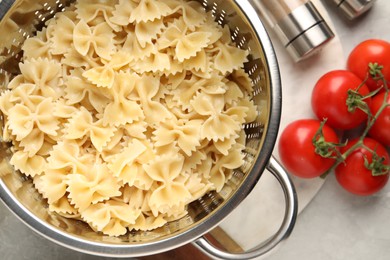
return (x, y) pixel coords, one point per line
(381, 128)
(330, 96)
(297, 151)
(370, 51)
(354, 174)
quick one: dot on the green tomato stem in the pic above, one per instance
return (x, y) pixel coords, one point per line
(376, 73)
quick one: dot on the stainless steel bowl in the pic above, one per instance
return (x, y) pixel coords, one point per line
(21, 19)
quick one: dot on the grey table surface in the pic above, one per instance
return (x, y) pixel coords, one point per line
(335, 225)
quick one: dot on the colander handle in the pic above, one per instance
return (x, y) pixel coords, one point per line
(284, 231)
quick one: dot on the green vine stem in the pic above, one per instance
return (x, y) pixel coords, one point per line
(376, 73)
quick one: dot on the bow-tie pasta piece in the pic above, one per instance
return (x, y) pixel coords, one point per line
(132, 171)
(16, 82)
(149, 10)
(238, 113)
(24, 93)
(100, 38)
(142, 180)
(192, 13)
(178, 111)
(147, 88)
(171, 82)
(91, 10)
(220, 172)
(251, 110)
(229, 58)
(110, 217)
(136, 129)
(122, 165)
(121, 14)
(33, 142)
(242, 79)
(206, 105)
(197, 186)
(62, 39)
(30, 166)
(67, 156)
(8, 100)
(134, 48)
(120, 61)
(172, 33)
(211, 27)
(233, 93)
(48, 143)
(123, 110)
(52, 184)
(189, 45)
(158, 62)
(148, 222)
(37, 47)
(170, 194)
(148, 31)
(200, 64)
(224, 146)
(45, 74)
(185, 134)
(170, 149)
(219, 127)
(136, 198)
(114, 146)
(74, 60)
(189, 89)
(78, 89)
(196, 158)
(185, 91)
(95, 186)
(175, 66)
(22, 120)
(82, 124)
(63, 208)
(63, 110)
(104, 76)
(186, 43)
(5, 103)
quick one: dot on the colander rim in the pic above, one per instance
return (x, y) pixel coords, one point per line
(204, 226)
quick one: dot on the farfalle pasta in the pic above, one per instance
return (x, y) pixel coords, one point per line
(149, 10)
(122, 110)
(95, 186)
(62, 39)
(100, 38)
(91, 11)
(78, 90)
(82, 124)
(126, 111)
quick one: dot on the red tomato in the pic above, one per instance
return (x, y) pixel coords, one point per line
(370, 51)
(329, 99)
(352, 173)
(297, 152)
(381, 128)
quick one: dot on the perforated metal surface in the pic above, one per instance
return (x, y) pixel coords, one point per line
(22, 19)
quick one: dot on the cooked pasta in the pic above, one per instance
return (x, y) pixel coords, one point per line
(124, 112)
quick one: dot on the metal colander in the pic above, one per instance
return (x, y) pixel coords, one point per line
(21, 19)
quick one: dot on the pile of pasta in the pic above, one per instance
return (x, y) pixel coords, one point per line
(126, 111)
